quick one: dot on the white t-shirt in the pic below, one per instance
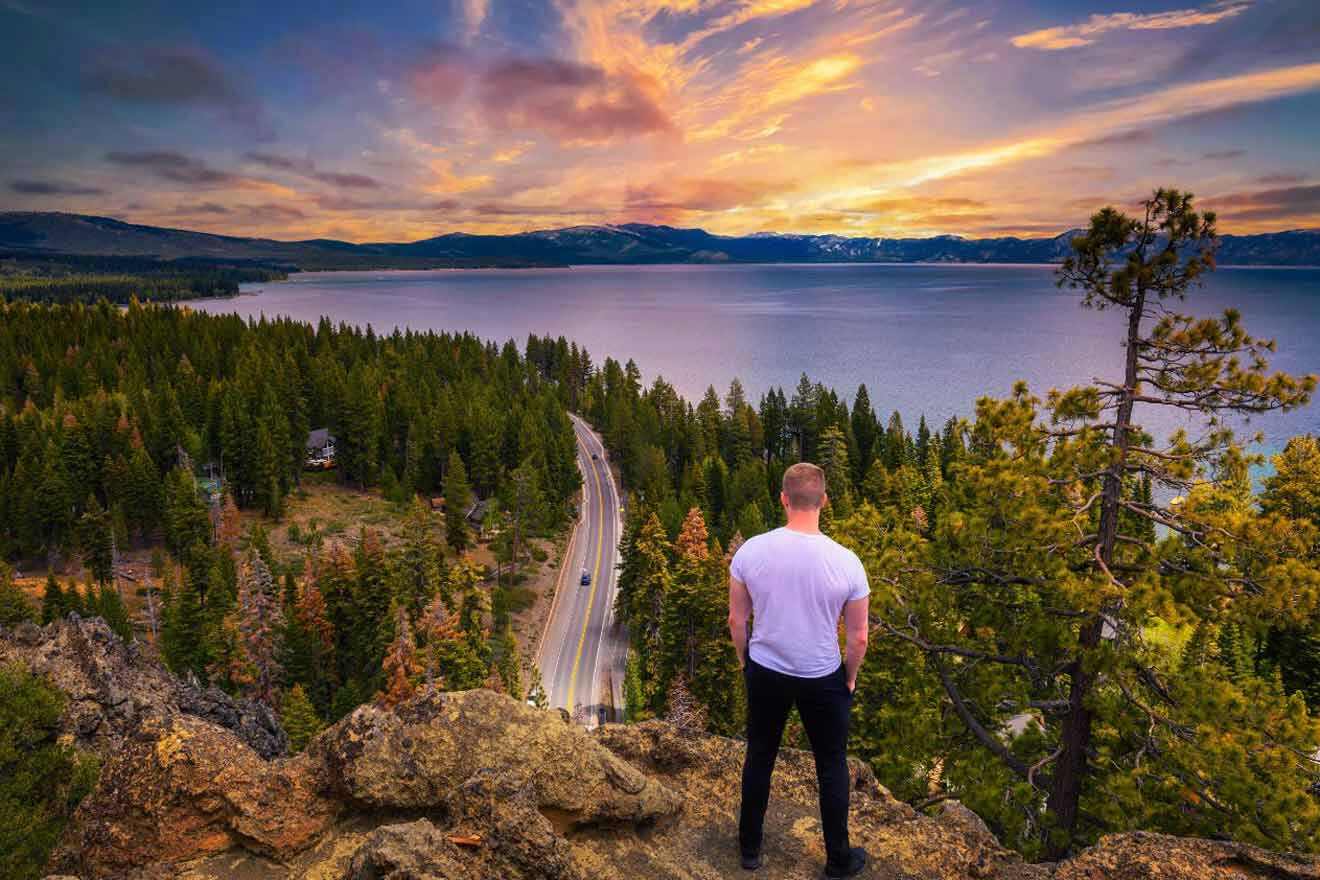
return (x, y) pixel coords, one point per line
(799, 583)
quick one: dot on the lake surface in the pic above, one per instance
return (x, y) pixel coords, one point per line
(924, 338)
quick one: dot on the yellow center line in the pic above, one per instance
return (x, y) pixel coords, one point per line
(595, 576)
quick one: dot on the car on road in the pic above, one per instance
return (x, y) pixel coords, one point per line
(586, 578)
(595, 457)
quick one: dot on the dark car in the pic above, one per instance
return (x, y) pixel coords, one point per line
(595, 457)
(586, 578)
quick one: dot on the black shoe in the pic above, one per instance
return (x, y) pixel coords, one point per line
(752, 862)
(856, 863)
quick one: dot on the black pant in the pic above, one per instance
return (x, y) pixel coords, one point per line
(823, 703)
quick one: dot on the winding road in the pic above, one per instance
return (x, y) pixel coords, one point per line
(583, 652)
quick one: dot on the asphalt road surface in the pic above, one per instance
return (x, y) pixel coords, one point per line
(583, 652)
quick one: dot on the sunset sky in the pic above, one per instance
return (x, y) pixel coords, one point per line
(402, 120)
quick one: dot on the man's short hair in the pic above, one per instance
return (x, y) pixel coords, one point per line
(804, 484)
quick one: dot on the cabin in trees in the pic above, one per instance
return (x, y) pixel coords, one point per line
(320, 449)
(475, 516)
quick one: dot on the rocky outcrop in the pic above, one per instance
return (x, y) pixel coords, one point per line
(180, 787)
(417, 755)
(510, 779)
(473, 785)
(112, 687)
(1140, 855)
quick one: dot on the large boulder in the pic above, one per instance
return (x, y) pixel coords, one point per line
(416, 755)
(412, 851)
(110, 687)
(181, 787)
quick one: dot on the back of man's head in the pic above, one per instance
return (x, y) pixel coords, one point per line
(804, 486)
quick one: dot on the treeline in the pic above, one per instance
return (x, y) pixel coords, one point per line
(84, 278)
(727, 457)
(1076, 628)
(122, 288)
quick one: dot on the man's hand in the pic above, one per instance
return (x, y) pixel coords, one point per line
(852, 685)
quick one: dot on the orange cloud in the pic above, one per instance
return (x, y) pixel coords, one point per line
(1084, 34)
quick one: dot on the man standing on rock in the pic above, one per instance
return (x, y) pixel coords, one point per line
(793, 583)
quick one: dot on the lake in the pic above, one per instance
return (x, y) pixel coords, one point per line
(924, 338)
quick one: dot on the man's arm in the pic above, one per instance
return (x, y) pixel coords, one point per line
(740, 611)
(857, 624)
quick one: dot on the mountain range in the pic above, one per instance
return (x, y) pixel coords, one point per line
(627, 243)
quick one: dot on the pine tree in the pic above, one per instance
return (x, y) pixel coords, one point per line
(142, 492)
(110, 607)
(485, 453)
(185, 639)
(832, 455)
(1034, 584)
(507, 667)
(299, 719)
(458, 498)
(309, 645)
(644, 584)
(230, 530)
(694, 643)
(41, 778)
(401, 665)
(14, 605)
(865, 430)
(526, 505)
(74, 600)
(96, 541)
(187, 523)
(897, 443)
(449, 658)
(260, 626)
(419, 563)
(53, 603)
(357, 434)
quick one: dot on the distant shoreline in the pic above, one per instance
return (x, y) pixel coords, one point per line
(638, 244)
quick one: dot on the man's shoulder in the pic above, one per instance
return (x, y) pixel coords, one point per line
(762, 538)
(843, 552)
(756, 543)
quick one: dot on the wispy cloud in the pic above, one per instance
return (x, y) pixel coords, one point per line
(1088, 31)
(308, 169)
(1301, 203)
(172, 166)
(176, 167)
(53, 188)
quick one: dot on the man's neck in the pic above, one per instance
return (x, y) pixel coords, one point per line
(805, 521)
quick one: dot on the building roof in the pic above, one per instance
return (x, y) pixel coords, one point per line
(318, 438)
